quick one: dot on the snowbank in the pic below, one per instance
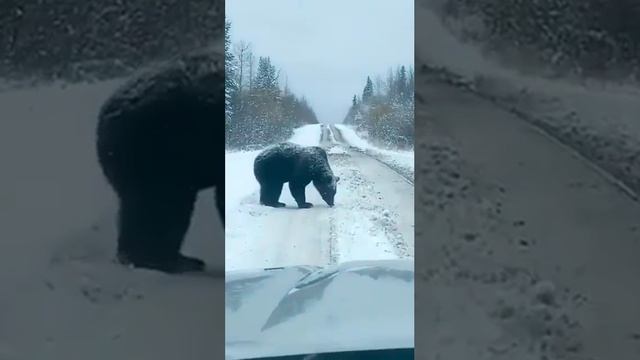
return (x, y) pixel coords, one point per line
(352, 138)
(239, 179)
(308, 135)
(403, 160)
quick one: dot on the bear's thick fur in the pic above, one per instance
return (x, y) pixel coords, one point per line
(297, 165)
(160, 140)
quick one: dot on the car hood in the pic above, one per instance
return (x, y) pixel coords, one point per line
(360, 305)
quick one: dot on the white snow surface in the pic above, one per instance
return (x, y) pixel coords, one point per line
(63, 296)
(337, 151)
(239, 178)
(307, 135)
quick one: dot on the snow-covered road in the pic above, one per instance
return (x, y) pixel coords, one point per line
(524, 238)
(372, 219)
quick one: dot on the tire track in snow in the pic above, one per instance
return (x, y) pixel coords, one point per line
(338, 138)
(327, 140)
(366, 225)
(393, 211)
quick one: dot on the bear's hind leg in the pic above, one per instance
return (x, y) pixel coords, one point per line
(270, 194)
(152, 228)
(179, 210)
(135, 231)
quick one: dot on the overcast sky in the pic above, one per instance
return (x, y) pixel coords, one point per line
(327, 47)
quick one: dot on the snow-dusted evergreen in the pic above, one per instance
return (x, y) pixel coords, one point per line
(261, 109)
(584, 37)
(385, 112)
(230, 84)
(96, 40)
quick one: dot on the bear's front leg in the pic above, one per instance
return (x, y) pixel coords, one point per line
(152, 226)
(270, 193)
(297, 191)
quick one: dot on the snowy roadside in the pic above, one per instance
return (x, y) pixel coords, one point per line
(599, 124)
(375, 219)
(497, 258)
(401, 161)
(239, 179)
(598, 120)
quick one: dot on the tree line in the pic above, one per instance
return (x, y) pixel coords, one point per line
(384, 112)
(259, 109)
(45, 40)
(594, 38)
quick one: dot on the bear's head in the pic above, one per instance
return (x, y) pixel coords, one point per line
(327, 186)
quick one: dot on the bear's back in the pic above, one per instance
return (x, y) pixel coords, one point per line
(167, 123)
(278, 162)
(181, 84)
(285, 152)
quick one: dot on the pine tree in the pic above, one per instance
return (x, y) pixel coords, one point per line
(401, 84)
(387, 117)
(367, 93)
(230, 85)
(392, 88)
(266, 77)
(268, 110)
